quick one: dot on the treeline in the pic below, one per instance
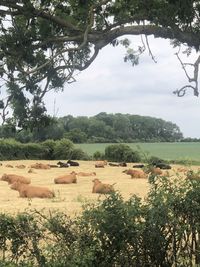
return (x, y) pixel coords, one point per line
(101, 128)
(190, 139)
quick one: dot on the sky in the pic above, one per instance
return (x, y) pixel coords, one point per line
(110, 85)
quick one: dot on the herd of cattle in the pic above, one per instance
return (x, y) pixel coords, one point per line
(27, 190)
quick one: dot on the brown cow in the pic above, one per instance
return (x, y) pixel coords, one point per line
(30, 191)
(9, 166)
(155, 171)
(53, 166)
(100, 163)
(136, 173)
(66, 179)
(182, 169)
(12, 178)
(40, 166)
(101, 188)
(20, 166)
(85, 173)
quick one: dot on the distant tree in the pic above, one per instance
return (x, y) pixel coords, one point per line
(122, 126)
(8, 131)
(76, 136)
(24, 136)
(107, 118)
(96, 128)
(65, 121)
(43, 44)
(81, 122)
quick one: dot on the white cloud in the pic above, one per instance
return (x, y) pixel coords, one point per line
(112, 86)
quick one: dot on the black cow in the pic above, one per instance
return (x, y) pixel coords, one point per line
(113, 164)
(163, 166)
(138, 166)
(72, 163)
(122, 164)
(63, 164)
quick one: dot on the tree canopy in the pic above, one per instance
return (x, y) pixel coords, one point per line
(101, 128)
(44, 42)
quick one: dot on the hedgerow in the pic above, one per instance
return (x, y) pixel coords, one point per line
(11, 149)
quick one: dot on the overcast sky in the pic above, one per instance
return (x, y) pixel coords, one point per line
(113, 86)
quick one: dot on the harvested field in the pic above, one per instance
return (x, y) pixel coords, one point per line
(69, 197)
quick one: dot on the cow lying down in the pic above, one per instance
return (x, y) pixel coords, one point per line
(40, 166)
(30, 191)
(101, 163)
(136, 173)
(12, 178)
(101, 188)
(66, 179)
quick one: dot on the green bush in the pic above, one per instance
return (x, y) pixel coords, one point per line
(49, 148)
(32, 151)
(76, 136)
(98, 155)
(79, 154)
(9, 149)
(155, 160)
(121, 152)
(63, 149)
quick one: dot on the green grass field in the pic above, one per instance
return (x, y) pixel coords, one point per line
(168, 151)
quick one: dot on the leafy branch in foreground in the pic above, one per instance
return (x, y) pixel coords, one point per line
(44, 43)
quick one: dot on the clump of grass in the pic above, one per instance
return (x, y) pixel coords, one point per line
(58, 197)
(80, 199)
(83, 200)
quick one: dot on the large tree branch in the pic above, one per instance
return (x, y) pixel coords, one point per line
(106, 36)
(190, 38)
(57, 20)
(102, 39)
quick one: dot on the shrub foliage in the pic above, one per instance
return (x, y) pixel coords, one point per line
(49, 149)
(121, 152)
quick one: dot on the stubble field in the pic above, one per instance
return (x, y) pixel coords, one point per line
(69, 198)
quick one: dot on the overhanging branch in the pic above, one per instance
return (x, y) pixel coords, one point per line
(181, 92)
(191, 39)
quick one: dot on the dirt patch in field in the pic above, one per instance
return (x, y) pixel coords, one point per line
(70, 197)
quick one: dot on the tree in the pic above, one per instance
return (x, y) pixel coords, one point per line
(76, 136)
(122, 126)
(43, 43)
